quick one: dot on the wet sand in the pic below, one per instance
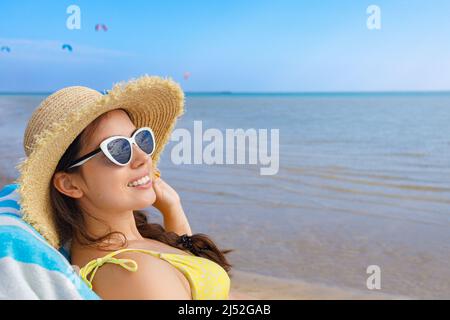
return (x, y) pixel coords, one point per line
(271, 288)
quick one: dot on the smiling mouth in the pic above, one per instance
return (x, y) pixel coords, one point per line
(147, 185)
(140, 182)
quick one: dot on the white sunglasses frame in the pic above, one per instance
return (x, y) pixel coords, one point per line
(104, 148)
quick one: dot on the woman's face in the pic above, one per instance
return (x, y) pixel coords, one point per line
(104, 184)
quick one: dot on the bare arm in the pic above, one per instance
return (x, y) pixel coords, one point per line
(175, 220)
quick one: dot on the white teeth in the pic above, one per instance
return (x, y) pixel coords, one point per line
(139, 182)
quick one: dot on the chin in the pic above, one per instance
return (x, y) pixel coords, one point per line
(144, 206)
(146, 202)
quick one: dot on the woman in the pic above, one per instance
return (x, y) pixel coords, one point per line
(90, 167)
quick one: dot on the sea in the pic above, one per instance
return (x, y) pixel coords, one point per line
(363, 180)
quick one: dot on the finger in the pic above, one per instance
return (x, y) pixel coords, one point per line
(156, 173)
(157, 183)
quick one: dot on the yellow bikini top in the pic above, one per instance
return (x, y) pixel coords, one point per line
(208, 280)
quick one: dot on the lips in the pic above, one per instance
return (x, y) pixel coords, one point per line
(146, 185)
(138, 177)
(139, 182)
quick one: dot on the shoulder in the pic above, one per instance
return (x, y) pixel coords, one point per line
(154, 279)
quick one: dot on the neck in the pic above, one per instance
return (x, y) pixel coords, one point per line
(103, 223)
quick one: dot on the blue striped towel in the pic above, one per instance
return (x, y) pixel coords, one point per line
(30, 268)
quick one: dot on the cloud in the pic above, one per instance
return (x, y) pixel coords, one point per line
(43, 50)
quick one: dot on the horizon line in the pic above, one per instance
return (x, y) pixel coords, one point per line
(229, 92)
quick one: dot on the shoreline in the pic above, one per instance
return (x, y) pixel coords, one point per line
(264, 287)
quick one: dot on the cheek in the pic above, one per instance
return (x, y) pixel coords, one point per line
(108, 188)
(106, 184)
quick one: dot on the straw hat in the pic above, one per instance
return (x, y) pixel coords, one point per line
(149, 100)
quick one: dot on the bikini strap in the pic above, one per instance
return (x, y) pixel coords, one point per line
(93, 265)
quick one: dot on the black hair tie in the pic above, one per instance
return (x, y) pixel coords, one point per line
(186, 241)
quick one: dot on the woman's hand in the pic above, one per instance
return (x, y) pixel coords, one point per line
(166, 197)
(169, 203)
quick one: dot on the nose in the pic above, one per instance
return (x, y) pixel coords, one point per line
(139, 157)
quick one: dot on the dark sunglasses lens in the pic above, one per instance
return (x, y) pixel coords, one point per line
(144, 140)
(120, 150)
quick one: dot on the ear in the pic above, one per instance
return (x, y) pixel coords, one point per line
(66, 184)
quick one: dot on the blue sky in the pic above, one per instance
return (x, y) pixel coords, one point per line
(254, 46)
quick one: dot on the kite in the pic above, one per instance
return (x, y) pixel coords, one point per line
(101, 26)
(67, 46)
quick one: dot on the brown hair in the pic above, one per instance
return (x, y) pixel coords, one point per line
(70, 220)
